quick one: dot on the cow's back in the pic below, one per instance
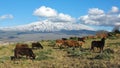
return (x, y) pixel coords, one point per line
(60, 42)
(21, 46)
(37, 45)
(71, 43)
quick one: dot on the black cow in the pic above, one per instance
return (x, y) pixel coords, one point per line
(19, 52)
(99, 44)
(37, 45)
(81, 39)
(64, 38)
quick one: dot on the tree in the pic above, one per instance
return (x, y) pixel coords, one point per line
(116, 29)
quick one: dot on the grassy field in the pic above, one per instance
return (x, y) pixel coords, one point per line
(55, 57)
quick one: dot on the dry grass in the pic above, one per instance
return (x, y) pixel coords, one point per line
(53, 57)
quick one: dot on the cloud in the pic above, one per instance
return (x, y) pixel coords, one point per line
(44, 11)
(97, 16)
(62, 18)
(115, 9)
(52, 15)
(95, 11)
(7, 16)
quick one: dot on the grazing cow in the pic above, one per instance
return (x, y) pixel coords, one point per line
(73, 38)
(64, 38)
(59, 43)
(37, 45)
(99, 44)
(19, 52)
(72, 43)
(81, 39)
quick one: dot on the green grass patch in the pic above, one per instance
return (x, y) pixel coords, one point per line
(4, 58)
(44, 55)
(2, 47)
(77, 53)
(104, 56)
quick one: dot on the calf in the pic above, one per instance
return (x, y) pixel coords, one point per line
(81, 39)
(37, 45)
(64, 38)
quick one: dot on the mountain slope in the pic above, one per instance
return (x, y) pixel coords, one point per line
(47, 26)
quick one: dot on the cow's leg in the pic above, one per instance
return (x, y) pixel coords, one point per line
(101, 49)
(92, 48)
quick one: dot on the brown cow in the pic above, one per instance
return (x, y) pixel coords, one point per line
(18, 52)
(59, 43)
(37, 45)
(21, 50)
(73, 43)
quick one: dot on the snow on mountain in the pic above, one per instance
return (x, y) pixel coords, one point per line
(47, 26)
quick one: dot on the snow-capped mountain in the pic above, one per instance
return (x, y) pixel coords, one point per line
(47, 26)
(44, 30)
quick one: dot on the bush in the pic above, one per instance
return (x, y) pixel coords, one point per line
(77, 53)
(105, 56)
(52, 43)
(43, 55)
(109, 51)
(117, 44)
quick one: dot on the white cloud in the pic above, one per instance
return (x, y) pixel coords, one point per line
(115, 9)
(44, 11)
(65, 17)
(7, 16)
(97, 16)
(62, 18)
(53, 15)
(95, 11)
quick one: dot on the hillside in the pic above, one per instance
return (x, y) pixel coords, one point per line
(19, 36)
(55, 57)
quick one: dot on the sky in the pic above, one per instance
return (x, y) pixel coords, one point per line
(97, 14)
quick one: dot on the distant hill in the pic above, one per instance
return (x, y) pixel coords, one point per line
(39, 35)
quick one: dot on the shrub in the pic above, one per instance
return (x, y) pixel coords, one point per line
(77, 53)
(109, 51)
(43, 55)
(117, 44)
(52, 43)
(105, 56)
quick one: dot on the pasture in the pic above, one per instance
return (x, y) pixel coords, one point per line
(55, 57)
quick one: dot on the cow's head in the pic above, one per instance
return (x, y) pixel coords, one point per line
(32, 56)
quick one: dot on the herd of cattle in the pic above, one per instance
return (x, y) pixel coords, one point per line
(24, 50)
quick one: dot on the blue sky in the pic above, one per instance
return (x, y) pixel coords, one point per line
(20, 12)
